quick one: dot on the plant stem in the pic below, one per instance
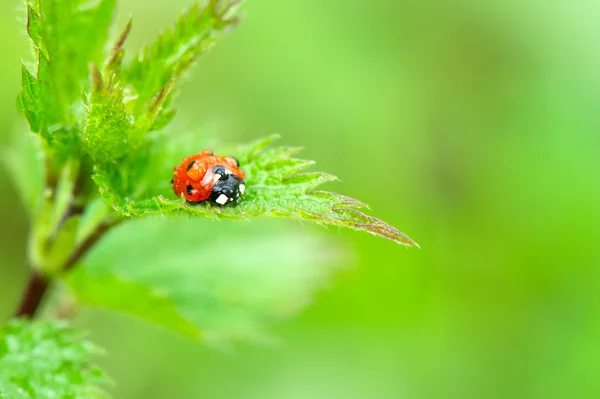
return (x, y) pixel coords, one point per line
(39, 283)
(86, 246)
(34, 293)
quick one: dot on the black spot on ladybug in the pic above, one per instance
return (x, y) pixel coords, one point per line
(229, 187)
(189, 189)
(220, 170)
(172, 180)
(190, 165)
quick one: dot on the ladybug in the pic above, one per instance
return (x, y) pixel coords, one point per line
(206, 176)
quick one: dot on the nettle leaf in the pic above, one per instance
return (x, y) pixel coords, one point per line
(129, 101)
(108, 127)
(212, 281)
(30, 102)
(47, 360)
(67, 36)
(175, 50)
(276, 186)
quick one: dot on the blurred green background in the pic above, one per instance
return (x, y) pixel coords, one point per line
(470, 125)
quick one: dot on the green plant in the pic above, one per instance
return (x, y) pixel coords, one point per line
(101, 123)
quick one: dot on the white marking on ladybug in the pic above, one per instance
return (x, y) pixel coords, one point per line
(222, 200)
(228, 172)
(216, 177)
(242, 188)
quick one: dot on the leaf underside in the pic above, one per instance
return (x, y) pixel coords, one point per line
(276, 186)
(210, 281)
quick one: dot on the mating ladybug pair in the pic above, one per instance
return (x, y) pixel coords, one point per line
(206, 176)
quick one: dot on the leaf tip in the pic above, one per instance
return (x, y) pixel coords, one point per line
(96, 78)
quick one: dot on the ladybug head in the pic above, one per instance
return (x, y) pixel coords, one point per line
(227, 188)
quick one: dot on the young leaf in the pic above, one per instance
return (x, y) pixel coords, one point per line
(47, 360)
(276, 186)
(173, 52)
(223, 282)
(128, 101)
(30, 101)
(108, 127)
(67, 36)
(109, 291)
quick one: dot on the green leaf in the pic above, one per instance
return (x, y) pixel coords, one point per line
(109, 127)
(175, 50)
(30, 102)
(128, 101)
(218, 281)
(276, 186)
(47, 360)
(111, 292)
(66, 35)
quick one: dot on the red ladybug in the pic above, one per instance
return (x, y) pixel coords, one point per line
(206, 176)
